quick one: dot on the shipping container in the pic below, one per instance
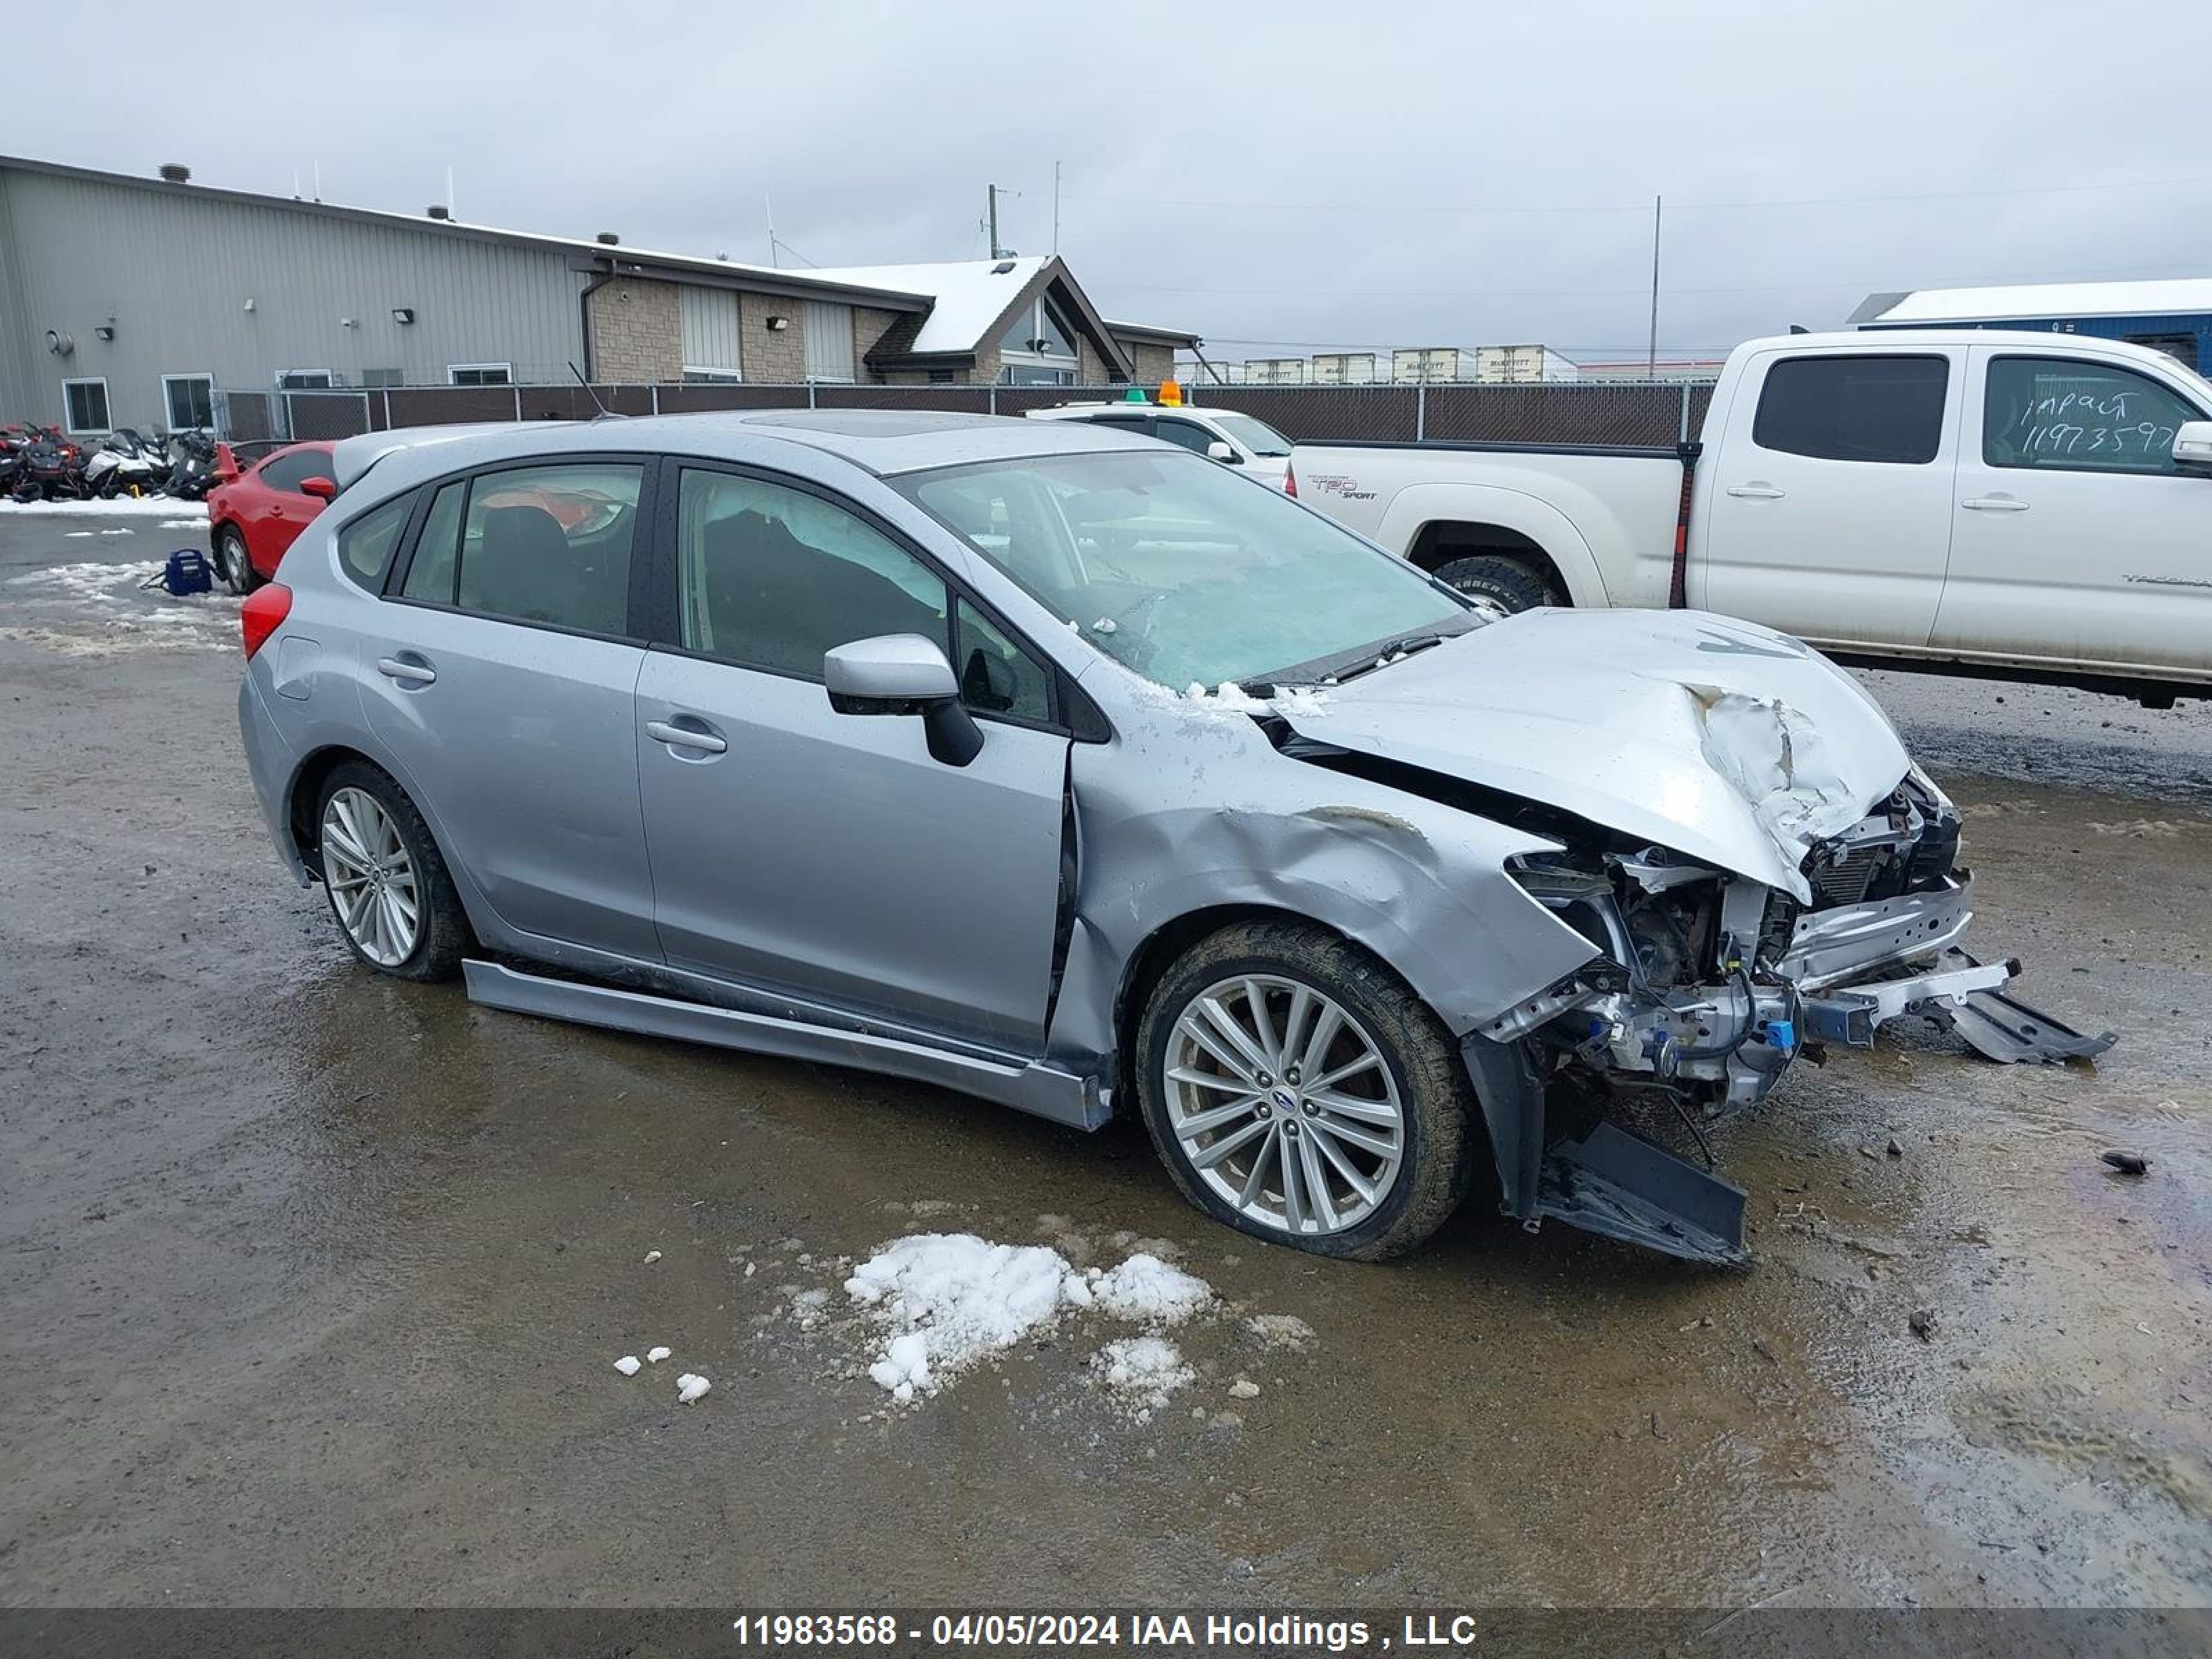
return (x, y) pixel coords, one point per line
(1274, 371)
(1344, 368)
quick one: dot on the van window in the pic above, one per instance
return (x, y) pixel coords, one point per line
(1854, 408)
(2070, 415)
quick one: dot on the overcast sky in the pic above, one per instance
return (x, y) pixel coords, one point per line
(1279, 178)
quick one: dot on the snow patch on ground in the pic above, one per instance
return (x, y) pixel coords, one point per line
(158, 507)
(94, 608)
(1145, 1288)
(1280, 1330)
(947, 1300)
(1142, 1371)
(689, 1387)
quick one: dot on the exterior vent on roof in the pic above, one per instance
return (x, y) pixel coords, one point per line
(439, 211)
(608, 239)
(1002, 267)
(176, 173)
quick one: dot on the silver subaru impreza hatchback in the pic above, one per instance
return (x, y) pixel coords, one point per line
(1078, 773)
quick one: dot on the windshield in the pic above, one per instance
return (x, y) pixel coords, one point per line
(1255, 436)
(1181, 569)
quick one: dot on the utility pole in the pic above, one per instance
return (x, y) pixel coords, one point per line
(1651, 363)
(993, 191)
(1055, 209)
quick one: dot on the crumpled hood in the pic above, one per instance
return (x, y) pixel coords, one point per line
(1722, 740)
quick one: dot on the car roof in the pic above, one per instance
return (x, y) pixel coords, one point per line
(883, 441)
(1079, 411)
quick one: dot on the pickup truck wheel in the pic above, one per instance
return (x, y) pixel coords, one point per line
(1508, 584)
(1299, 1091)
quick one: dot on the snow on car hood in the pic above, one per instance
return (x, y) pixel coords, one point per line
(1721, 740)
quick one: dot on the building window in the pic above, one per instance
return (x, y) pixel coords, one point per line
(190, 400)
(84, 406)
(383, 377)
(480, 373)
(693, 376)
(708, 328)
(1038, 348)
(828, 341)
(305, 379)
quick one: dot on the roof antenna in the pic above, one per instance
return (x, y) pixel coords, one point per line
(605, 414)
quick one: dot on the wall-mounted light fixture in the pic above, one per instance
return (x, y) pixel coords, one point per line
(348, 322)
(104, 331)
(777, 325)
(403, 315)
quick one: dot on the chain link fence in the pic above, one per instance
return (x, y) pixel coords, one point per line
(1600, 412)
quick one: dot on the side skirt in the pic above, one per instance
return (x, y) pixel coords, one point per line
(1027, 1086)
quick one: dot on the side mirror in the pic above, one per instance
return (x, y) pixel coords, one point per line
(2192, 446)
(322, 488)
(1219, 451)
(904, 674)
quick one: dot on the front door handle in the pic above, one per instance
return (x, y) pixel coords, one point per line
(408, 670)
(685, 737)
(1994, 504)
(1757, 492)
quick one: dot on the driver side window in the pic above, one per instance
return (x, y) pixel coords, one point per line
(771, 577)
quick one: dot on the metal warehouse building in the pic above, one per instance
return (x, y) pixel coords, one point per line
(2173, 317)
(157, 302)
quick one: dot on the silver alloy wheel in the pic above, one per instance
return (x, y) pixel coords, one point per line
(1283, 1105)
(237, 567)
(371, 878)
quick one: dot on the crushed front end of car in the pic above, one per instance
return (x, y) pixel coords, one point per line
(1706, 987)
(1742, 840)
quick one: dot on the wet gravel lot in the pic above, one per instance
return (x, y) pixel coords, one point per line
(311, 1281)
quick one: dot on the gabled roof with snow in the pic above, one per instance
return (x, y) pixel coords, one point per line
(969, 294)
(2040, 299)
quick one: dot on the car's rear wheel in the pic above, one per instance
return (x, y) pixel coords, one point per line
(1298, 1090)
(230, 556)
(1498, 585)
(389, 890)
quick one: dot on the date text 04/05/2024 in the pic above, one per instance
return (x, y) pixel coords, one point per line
(1416, 1632)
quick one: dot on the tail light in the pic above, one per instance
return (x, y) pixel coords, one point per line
(1289, 482)
(263, 614)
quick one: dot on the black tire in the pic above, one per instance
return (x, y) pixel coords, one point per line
(1441, 1139)
(231, 558)
(443, 937)
(1506, 582)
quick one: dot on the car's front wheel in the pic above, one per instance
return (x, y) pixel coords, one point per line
(230, 556)
(1298, 1090)
(389, 890)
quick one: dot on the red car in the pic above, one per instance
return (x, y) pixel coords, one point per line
(259, 510)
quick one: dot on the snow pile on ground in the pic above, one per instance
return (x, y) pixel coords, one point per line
(159, 507)
(689, 1387)
(1280, 1330)
(96, 607)
(627, 1364)
(947, 1300)
(1145, 1288)
(1142, 1371)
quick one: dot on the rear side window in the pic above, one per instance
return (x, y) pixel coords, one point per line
(1854, 408)
(2070, 415)
(548, 545)
(365, 546)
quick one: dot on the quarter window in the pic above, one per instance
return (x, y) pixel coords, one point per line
(997, 677)
(191, 400)
(545, 544)
(773, 578)
(365, 545)
(1854, 408)
(2070, 415)
(84, 406)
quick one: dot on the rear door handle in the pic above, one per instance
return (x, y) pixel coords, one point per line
(408, 669)
(1994, 504)
(685, 737)
(1757, 492)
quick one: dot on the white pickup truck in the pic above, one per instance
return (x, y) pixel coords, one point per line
(2015, 505)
